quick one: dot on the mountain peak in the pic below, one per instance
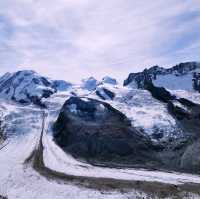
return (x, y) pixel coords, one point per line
(27, 86)
(167, 77)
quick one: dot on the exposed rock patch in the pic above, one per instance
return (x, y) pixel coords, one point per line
(105, 94)
(159, 93)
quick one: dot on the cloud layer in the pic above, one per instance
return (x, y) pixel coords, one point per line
(73, 39)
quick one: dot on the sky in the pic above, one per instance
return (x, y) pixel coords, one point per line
(75, 39)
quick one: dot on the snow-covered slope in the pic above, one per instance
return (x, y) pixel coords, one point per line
(146, 113)
(176, 81)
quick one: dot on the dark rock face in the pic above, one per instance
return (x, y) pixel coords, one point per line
(95, 131)
(2, 135)
(190, 160)
(105, 94)
(159, 93)
(188, 114)
(196, 81)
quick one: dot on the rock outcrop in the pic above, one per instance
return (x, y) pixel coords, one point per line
(188, 114)
(105, 93)
(94, 131)
(159, 93)
(97, 132)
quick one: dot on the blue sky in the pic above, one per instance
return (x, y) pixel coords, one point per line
(74, 39)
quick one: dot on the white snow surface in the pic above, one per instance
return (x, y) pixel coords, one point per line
(193, 96)
(176, 81)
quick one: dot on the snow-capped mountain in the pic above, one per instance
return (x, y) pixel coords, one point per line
(92, 84)
(61, 85)
(179, 77)
(29, 87)
(89, 84)
(109, 80)
(152, 122)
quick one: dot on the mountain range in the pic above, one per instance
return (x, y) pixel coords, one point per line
(68, 131)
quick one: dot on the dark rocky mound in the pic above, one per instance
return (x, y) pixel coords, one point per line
(95, 131)
(196, 81)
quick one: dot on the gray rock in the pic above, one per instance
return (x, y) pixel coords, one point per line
(94, 130)
(105, 94)
(190, 160)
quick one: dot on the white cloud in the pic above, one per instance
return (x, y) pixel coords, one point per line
(72, 39)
